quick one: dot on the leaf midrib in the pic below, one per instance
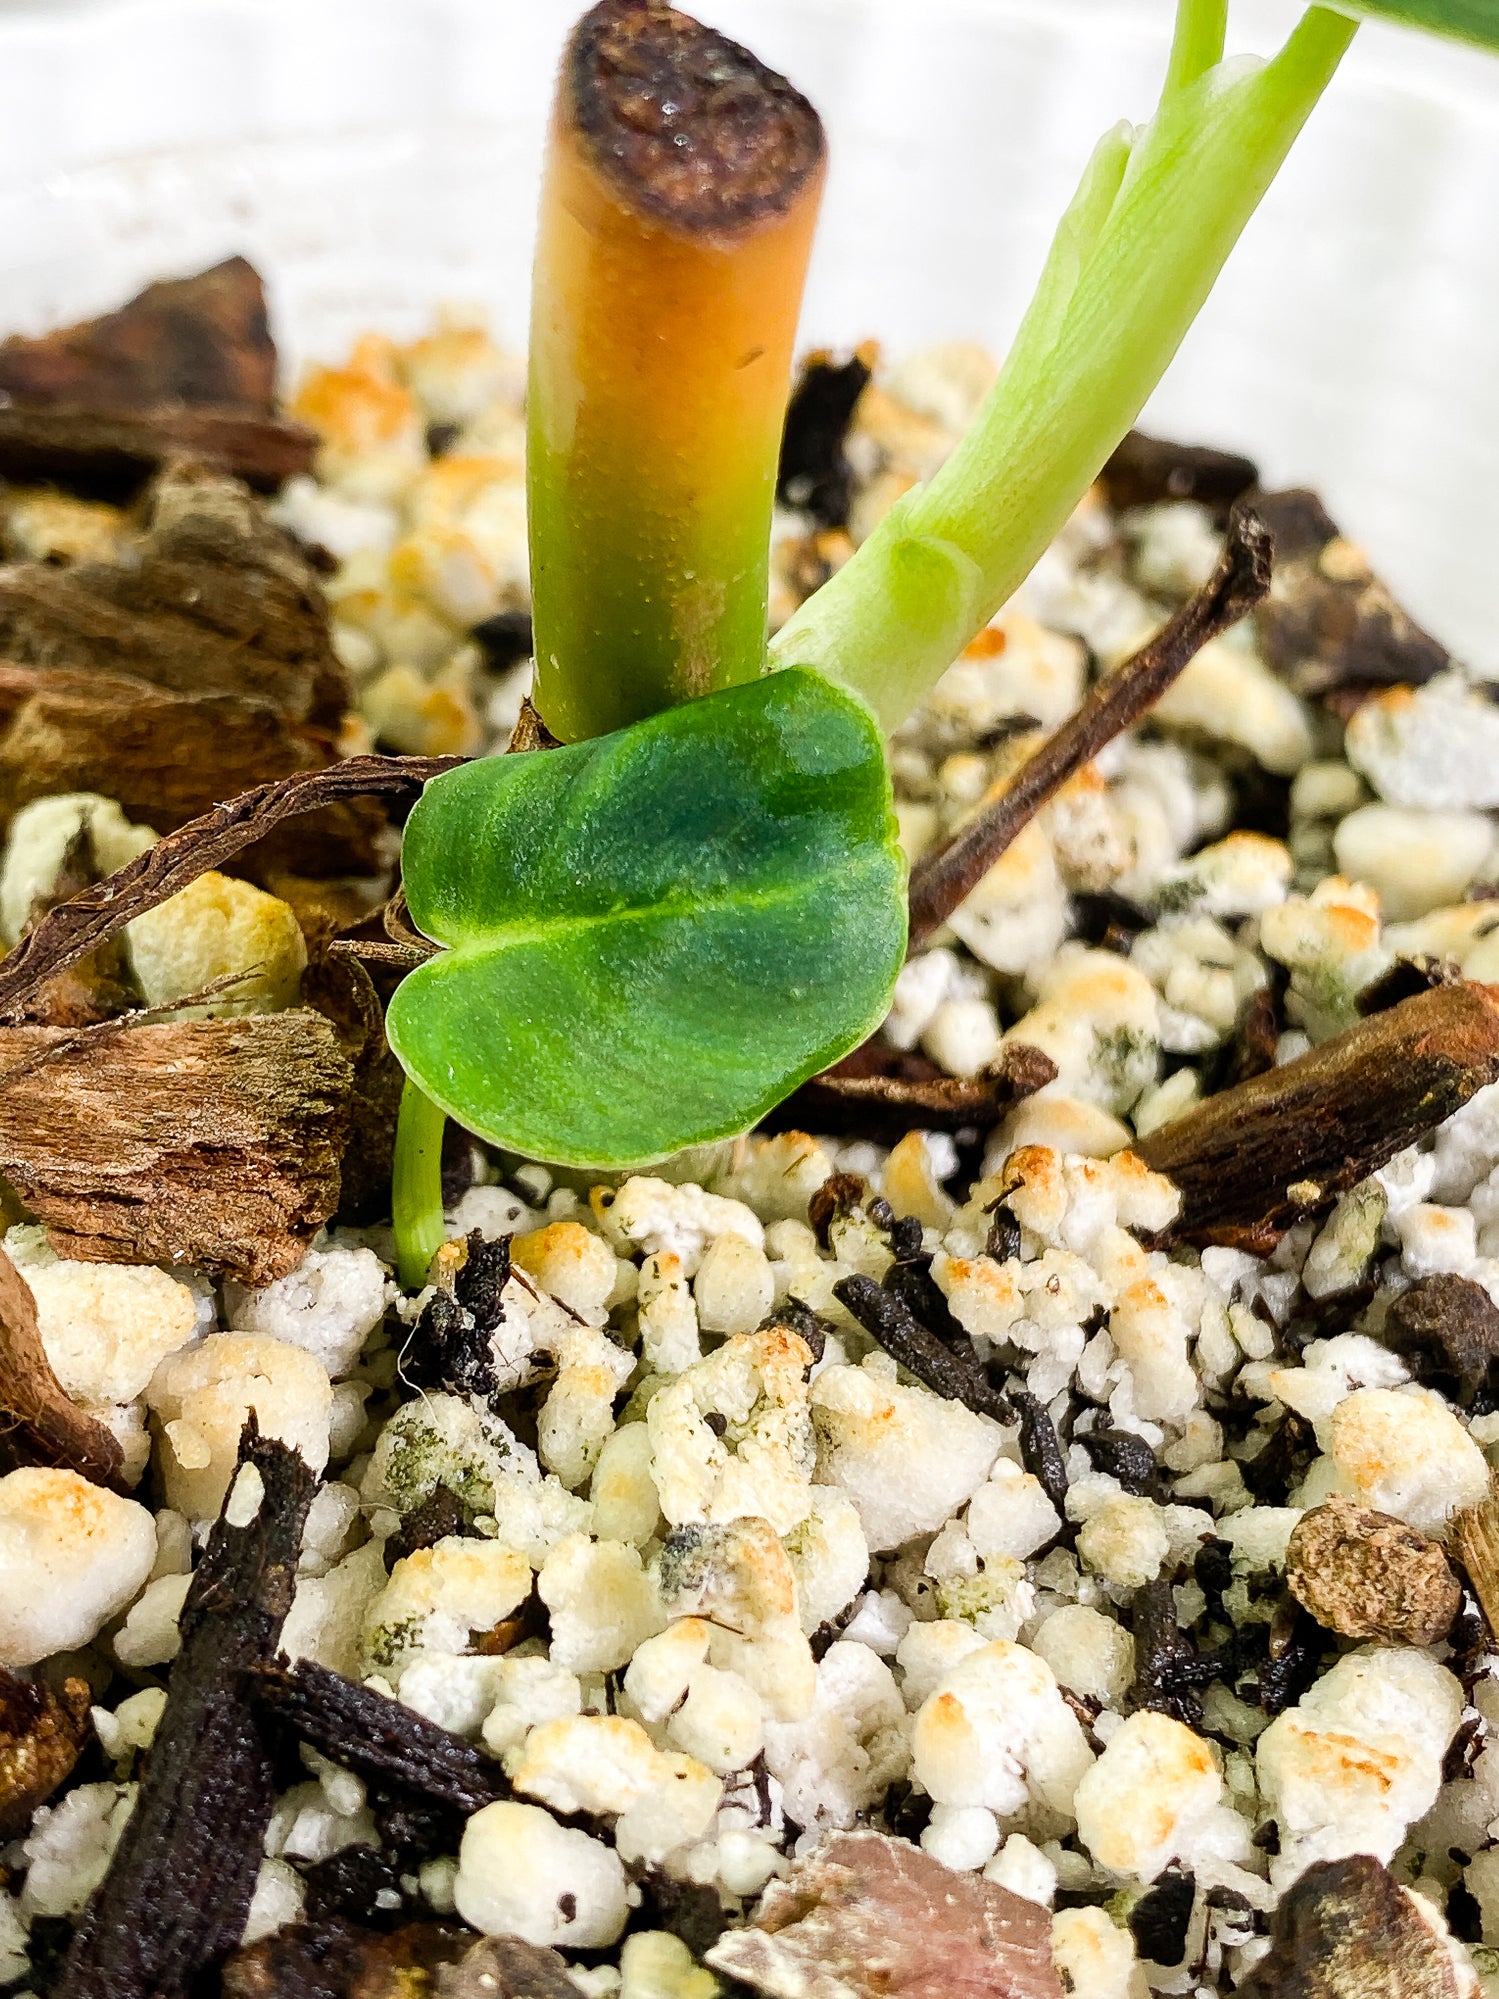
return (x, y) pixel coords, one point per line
(553, 928)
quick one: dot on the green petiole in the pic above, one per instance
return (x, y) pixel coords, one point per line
(1138, 251)
(416, 1185)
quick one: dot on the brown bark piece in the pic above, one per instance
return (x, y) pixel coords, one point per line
(1329, 626)
(178, 1889)
(106, 454)
(41, 1733)
(1253, 1160)
(1447, 1328)
(880, 1093)
(1348, 1930)
(202, 340)
(1367, 1575)
(186, 365)
(1474, 1534)
(212, 1142)
(507, 1968)
(195, 671)
(870, 1917)
(38, 1423)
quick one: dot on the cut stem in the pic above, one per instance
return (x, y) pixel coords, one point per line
(1137, 254)
(416, 1185)
(681, 188)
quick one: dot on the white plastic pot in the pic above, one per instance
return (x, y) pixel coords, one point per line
(377, 158)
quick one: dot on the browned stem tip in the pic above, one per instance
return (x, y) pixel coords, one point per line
(1241, 579)
(684, 125)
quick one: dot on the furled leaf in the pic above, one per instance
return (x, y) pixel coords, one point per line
(1466, 20)
(655, 935)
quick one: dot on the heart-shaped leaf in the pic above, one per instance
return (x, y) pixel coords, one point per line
(656, 935)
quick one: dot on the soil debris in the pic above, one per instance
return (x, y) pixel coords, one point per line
(1348, 1930)
(870, 1917)
(1159, 1921)
(1124, 1456)
(1168, 1666)
(450, 1346)
(377, 1737)
(1255, 1159)
(1474, 1536)
(1040, 1447)
(41, 1734)
(178, 1890)
(39, 1424)
(338, 1960)
(1367, 1575)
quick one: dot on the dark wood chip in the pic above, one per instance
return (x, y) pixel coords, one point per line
(441, 1514)
(38, 1422)
(919, 1351)
(912, 1282)
(1347, 1930)
(360, 1885)
(1406, 977)
(507, 1968)
(1367, 1575)
(1159, 1921)
(505, 640)
(1124, 1456)
(1447, 1330)
(1040, 1447)
(684, 126)
(1329, 626)
(1144, 471)
(814, 473)
(107, 454)
(882, 1093)
(941, 880)
(801, 1320)
(1255, 1159)
(839, 1194)
(1168, 1667)
(339, 1960)
(1252, 1050)
(213, 840)
(178, 1889)
(451, 1345)
(1295, 1651)
(377, 1737)
(213, 1142)
(870, 1917)
(41, 1734)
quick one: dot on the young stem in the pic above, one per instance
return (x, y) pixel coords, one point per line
(1197, 45)
(1137, 254)
(416, 1185)
(681, 187)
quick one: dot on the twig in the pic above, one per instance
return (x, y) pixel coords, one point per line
(74, 929)
(1241, 579)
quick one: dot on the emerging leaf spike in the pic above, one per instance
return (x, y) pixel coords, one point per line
(680, 194)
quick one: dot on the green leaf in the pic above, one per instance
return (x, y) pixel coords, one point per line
(1464, 20)
(655, 935)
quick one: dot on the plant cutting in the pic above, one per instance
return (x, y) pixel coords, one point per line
(649, 940)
